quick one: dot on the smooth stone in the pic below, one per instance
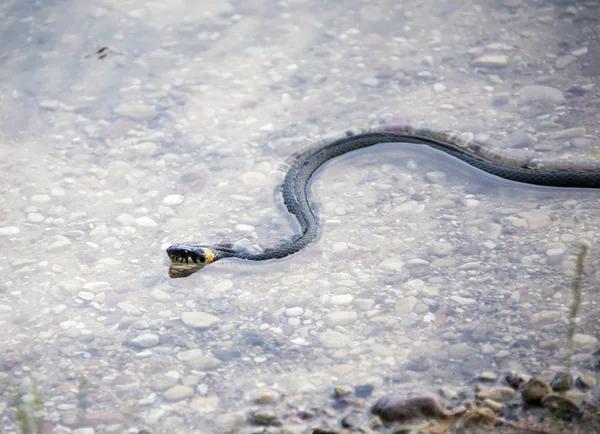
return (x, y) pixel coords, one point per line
(199, 320)
(40, 198)
(35, 217)
(205, 404)
(568, 133)
(498, 394)
(440, 249)
(341, 299)
(145, 340)
(86, 296)
(173, 199)
(371, 82)
(9, 230)
(263, 417)
(564, 61)
(179, 392)
(244, 228)
(265, 396)
(332, 339)
(581, 341)
(463, 301)
(138, 112)
(195, 359)
(400, 408)
(340, 318)
(60, 244)
(496, 407)
(160, 295)
(406, 305)
(146, 221)
(461, 351)
(535, 390)
(491, 61)
(292, 312)
(545, 317)
(436, 177)
(539, 93)
(254, 179)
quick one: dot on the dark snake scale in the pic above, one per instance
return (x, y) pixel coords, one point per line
(189, 258)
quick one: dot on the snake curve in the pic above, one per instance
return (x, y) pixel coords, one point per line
(188, 258)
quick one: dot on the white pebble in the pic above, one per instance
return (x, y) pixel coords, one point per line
(9, 230)
(40, 198)
(292, 312)
(125, 220)
(244, 228)
(86, 296)
(35, 217)
(254, 179)
(173, 199)
(146, 221)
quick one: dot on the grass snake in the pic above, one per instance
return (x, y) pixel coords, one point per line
(188, 258)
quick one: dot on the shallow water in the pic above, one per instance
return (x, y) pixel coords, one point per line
(427, 272)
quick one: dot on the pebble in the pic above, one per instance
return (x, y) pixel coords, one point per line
(145, 340)
(340, 318)
(195, 359)
(35, 217)
(400, 408)
(40, 198)
(463, 301)
(205, 404)
(341, 391)
(564, 61)
(568, 133)
(496, 407)
(177, 393)
(540, 94)
(333, 339)
(488, 376)
(535, 390)
(173, 200)
(138, 112)
(254, 179)
(61, 244)
(199, 320)
(95, 286)
(544, 318)
(341, 299)
(263, 417)
(491, 61)
(265, 396)
(9, 230)
(371, 82)
(440, 249)
(581, 341)
(461, 351)
(146, 221)
(160, 295)
(293, 312)
(498, 394)
(406, 305)
(86, 296)
(436, 177)
(244, 228)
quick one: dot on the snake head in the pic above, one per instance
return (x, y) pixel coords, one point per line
(188, 258)
(191, 254)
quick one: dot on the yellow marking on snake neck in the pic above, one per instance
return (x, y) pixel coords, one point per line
(210, 256)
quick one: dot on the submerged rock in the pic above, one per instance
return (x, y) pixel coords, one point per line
(400, 408)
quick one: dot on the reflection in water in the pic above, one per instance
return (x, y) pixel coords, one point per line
(427, 273)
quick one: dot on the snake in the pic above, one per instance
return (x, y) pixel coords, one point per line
(187, 258)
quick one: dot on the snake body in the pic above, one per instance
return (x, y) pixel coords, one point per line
(195, 256)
